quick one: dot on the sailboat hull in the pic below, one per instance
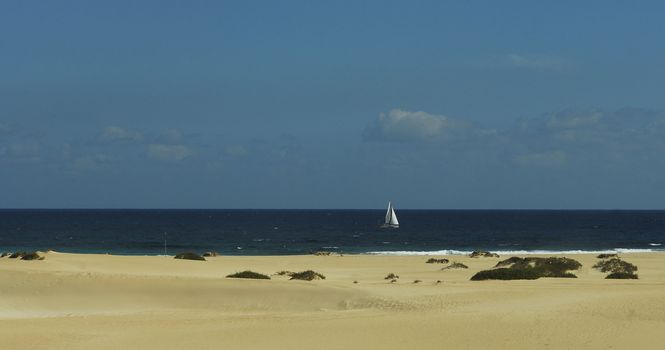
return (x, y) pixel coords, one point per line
(389, 226)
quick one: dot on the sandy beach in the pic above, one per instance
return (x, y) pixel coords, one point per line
(88, 301)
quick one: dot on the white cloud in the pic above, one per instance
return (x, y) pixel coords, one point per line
(115, 133)
(22, 151)
(169, 152)
(236, 151)
(401, 125)
(574, 119)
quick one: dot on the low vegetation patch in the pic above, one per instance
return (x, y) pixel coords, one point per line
(17, 255)
(249, 274)
(617, 268)
(622, 276)
(530, 268)
(455, 265)
(189, 256)
(437, 261)
(615, 265)
(321, 253)
(391, 276)
(417, 281)
(483, 254)
(308, 275)
(32, 256)
(553, 265)
(284, 273)
(607, 256)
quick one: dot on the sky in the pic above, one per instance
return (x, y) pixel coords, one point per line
(344, 104)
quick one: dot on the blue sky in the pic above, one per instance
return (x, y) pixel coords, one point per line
(304, 104)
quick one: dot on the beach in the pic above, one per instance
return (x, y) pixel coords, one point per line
(97, 301)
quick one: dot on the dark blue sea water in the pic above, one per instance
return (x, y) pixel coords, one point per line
(277, 232)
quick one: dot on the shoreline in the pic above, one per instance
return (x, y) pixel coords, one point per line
(444, 252)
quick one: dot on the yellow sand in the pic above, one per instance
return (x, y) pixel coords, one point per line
(74, 301)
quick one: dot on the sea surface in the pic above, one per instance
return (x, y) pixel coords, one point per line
(280, 232)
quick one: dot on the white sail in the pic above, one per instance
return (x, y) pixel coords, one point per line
(388, 213)
(393, 217)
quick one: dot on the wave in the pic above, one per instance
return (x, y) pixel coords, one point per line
(514, 252)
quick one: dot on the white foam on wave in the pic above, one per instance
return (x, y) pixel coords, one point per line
(514, 252)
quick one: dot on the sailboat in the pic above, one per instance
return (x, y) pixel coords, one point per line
(391, 218)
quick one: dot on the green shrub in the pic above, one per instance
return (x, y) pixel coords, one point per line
(622, 276)
(322, 253)
(308, 275)
(530, 268)
(391, 276)
(553, 265)
(249, 274)
(437, 261)
(615, 265)
(483, 254)
(189, 256)
(504, 273)
(607, 256)
(32, 256)
(455, 265)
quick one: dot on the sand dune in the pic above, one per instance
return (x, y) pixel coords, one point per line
(74, 301)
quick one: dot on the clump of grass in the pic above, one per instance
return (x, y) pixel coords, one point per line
(607, 256)
(391, 276)
(551, 267)
(308, 275)
(618, 268)
(417, 281)
(32, 256)
(622, 276)
(455, 265)
(284, 273)
(210, 254)
(530, 268)
(483, 254)
(438, 281)
(321, 253)
(505, 273)
(189, 256)
(249, 274)
(437, 261)
(615, 265)
(393, 280)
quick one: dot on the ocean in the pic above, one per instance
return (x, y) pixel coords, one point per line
(283, 232)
